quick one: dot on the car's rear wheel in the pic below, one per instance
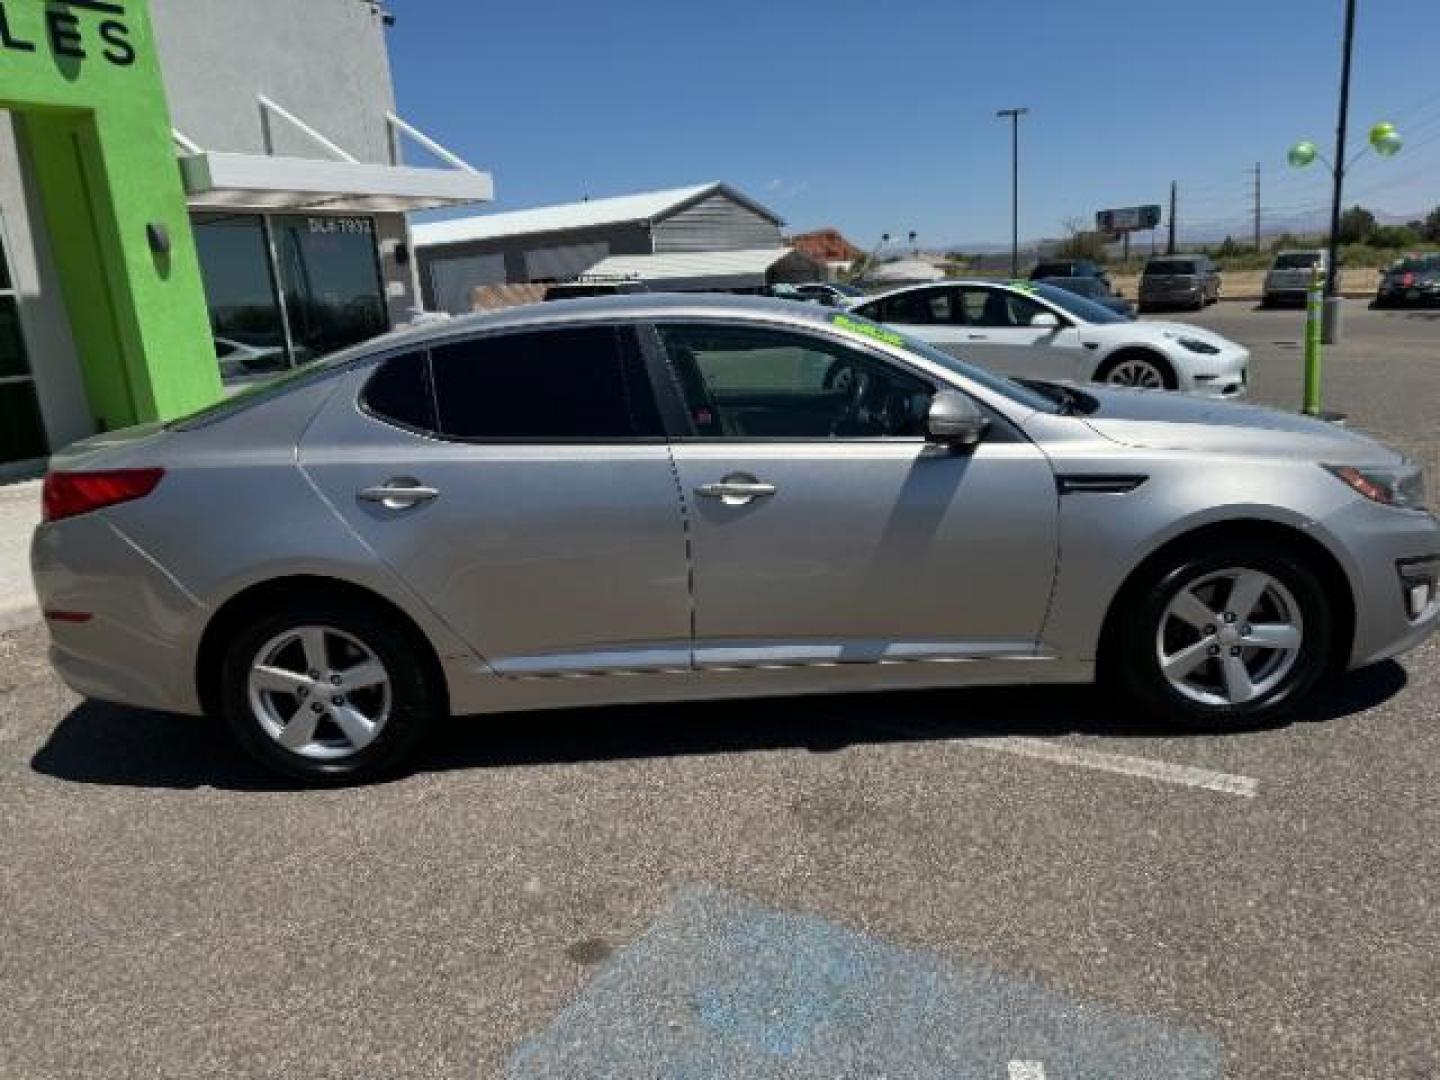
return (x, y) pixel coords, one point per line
(326, 690)
(1224, 640)
(1140, 369)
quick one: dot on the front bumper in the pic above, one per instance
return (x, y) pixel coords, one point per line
(1387, 546)
(1231, 381)
(1285, 295)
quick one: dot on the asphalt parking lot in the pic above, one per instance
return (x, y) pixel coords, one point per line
(1011, 884)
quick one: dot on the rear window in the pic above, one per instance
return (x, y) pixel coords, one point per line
(1417, 265)
(1169, 266)
(1297, 260)
(1054, 269)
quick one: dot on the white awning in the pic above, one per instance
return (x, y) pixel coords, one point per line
(744, 269)
(220, 181)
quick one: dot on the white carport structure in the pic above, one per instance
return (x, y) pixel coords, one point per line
(697, 271)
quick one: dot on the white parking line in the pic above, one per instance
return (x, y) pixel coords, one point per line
(1027, 1070)
(1166, 772)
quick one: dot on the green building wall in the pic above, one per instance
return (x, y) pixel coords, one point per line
(92, 117)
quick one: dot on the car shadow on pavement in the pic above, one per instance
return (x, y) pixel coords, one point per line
(109, 744)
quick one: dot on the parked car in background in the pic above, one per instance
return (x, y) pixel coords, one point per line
(716, 498)
(1030, 330)
(1288, 279)
(1185, 281)
(1069, 268)
(829, 293)
(1414, 280)
(1094, 289)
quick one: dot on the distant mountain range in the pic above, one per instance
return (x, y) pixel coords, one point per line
(1271, 226)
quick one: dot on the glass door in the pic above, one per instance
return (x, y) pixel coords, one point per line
(22, 433)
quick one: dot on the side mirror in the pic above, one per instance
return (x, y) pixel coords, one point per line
(954, 420)
(1044, 320)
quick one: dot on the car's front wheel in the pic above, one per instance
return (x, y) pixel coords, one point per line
(1227, 639)
(1141, 369)
(326, 690)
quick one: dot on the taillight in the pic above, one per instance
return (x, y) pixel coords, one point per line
(1408, 279)
(69, 493)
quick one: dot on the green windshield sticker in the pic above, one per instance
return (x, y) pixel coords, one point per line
(867, 329)
(1022, 286)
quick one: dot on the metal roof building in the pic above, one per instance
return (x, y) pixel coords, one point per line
(560, 243)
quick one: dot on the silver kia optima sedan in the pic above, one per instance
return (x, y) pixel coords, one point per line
(651, 497)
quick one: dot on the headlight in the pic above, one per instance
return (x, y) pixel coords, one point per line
(1204, 348)
(1401, 485)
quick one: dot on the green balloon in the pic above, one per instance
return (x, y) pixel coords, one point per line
(1385, 139)
(1302, 153)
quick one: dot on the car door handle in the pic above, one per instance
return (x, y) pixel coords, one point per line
(398, 494)
(736, 492)
(977, 337)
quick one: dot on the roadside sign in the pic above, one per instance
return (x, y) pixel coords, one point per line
(1128, 219)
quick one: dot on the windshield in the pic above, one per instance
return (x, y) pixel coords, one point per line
(1297, 260)
(1021, 395)
(847, 290)
(1078, 306)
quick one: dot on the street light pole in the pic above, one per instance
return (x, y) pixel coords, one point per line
(1332, 277)
(1014, 115)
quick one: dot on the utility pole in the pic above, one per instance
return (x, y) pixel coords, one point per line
(1331, 332)
(1257, 206)
(1014, 115)
(1170, 244)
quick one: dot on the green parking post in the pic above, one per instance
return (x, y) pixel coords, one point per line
(1314, 316)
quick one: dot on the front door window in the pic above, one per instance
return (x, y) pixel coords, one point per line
(22, 433)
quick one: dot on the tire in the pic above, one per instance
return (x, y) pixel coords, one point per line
(1157, 622)
(383, 721)
(1127, 369)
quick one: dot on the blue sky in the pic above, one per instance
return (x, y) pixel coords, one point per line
(879, 116)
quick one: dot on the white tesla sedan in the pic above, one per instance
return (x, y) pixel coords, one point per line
(1029, 330)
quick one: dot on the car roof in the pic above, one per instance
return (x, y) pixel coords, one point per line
(592, 309)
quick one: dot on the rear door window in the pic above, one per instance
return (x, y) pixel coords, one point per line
(563, 385)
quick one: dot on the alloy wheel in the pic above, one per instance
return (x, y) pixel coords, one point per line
(319, 692)
(1229, 637)
(1137, 372)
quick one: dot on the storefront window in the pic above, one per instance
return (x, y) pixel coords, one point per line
(329, 293)
(331, 276)
(22, 434)
(240, 291)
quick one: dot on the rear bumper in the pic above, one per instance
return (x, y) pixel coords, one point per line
(1286, 296)
(127, 622)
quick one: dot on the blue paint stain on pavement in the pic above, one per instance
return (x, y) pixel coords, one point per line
(722, 987)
